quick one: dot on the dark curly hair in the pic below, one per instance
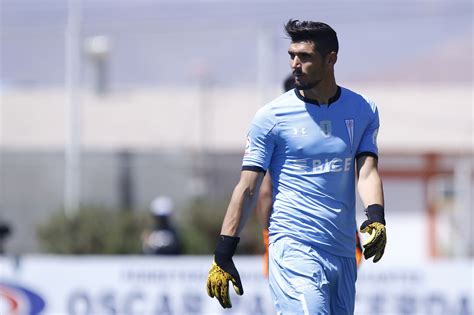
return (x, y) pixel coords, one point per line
(324, 37)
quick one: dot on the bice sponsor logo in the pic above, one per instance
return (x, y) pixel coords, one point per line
(320, 166)
(18, 300)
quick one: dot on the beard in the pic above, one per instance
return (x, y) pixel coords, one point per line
(303, 81)
(306, 85)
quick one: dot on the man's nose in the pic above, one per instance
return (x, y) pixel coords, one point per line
(295, 63)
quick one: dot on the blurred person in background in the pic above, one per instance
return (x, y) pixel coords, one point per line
(265, 201)
(313, 140)
(4, 233)
(163, 239)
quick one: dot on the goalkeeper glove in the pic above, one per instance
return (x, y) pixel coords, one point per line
(223, 270)
(375, 226)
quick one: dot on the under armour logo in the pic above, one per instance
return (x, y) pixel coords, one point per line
(299, 131)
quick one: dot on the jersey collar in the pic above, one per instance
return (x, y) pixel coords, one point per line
(315, 102)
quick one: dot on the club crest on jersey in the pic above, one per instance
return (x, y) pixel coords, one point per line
(350, 130)
(326, 127)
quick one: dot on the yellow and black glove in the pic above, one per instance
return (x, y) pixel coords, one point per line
(375, 226)
(223, 270)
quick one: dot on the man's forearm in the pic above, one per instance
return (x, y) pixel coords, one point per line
(370, 189)
(243, 200)
(265, 202)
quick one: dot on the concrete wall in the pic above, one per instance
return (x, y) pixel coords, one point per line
(414, 118)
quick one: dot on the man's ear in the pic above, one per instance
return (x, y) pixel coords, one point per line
(331, 58)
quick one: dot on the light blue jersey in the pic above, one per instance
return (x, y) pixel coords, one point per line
(310, 152)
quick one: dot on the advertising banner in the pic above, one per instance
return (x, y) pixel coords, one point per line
(137, 285)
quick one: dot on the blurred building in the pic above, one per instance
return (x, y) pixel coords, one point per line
(180, 82)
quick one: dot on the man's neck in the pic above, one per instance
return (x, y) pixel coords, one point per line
(322, 92)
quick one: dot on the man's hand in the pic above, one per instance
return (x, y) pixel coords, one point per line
(375, 226)
(218, 283)
(223, 270)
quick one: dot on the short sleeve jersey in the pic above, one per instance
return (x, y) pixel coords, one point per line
(310, 151)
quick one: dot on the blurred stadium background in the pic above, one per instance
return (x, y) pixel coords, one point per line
(105, 105)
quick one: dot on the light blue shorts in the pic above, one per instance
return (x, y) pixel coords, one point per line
(306, 280)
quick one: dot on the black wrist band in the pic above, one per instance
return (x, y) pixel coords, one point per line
(375, 213)
(226, 246)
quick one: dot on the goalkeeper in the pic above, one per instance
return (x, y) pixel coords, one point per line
(313, 140)
(265, 202)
